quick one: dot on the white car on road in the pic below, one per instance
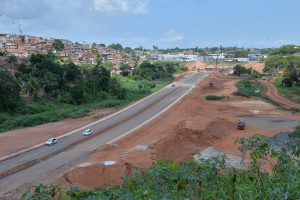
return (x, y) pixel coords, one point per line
(87, 132)
(51, 141)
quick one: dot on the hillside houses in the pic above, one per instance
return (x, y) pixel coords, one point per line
(23, 46)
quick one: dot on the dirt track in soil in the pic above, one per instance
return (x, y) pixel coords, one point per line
(191, 125)
(273, 93)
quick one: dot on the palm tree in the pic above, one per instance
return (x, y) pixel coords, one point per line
(49, 81)
(33, 86)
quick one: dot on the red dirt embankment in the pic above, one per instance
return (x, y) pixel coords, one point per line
(255, 66)
(180, 146)
(197, 64)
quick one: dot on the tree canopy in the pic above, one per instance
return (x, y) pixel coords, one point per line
(10, 91)
(238, 70)
(241, 54)
(58, 45)
(281, 62)
(72, 72)
(116, 46)
(285, 50)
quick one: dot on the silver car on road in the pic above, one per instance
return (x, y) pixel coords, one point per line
(51, 141)
(87, 132)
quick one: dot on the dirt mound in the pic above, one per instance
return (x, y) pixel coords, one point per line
(98, 176)
(197, 64)
(186, 140)
(220, 129)
(256, 66)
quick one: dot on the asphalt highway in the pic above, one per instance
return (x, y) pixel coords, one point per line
(17, 179)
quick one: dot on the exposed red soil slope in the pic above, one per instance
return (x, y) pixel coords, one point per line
(256, 66)
(197, 64)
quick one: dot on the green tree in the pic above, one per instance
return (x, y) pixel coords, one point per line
(214, 49)
(1, 53)
(285, 50)
(275, 62)
(22, 68)
(133, 54)
(266, 51)
(125, 68)
(127, 49)
(12, 59)
(125, 56)
(102, 45)
(241, 54)
(48, 82)
(58, 45)
(33, 86)
(116, 46)
(238, 70)
(10, 91)
(155, 48)
(73, 73)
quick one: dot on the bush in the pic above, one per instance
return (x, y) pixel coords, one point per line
(214, 97)
(295, 109)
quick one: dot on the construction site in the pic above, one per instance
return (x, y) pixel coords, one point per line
(191, 125)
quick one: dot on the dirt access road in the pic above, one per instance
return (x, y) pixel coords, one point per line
(273, 93)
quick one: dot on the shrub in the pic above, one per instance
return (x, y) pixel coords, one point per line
(214, 97)
(295, 109)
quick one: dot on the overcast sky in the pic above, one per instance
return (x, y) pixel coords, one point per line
(164, 23)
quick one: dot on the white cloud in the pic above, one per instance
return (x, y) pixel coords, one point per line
(172, 36)
(257, 43)
(121, 6)
(280, 42)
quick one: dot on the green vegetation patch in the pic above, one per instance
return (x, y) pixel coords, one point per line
(288, 92)
(247, 90)
(214, 97)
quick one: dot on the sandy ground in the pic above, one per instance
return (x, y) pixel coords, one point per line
(191, 125)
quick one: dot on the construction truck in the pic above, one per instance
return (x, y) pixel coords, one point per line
(241, 125)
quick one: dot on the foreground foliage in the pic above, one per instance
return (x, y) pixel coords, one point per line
(204, 179)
